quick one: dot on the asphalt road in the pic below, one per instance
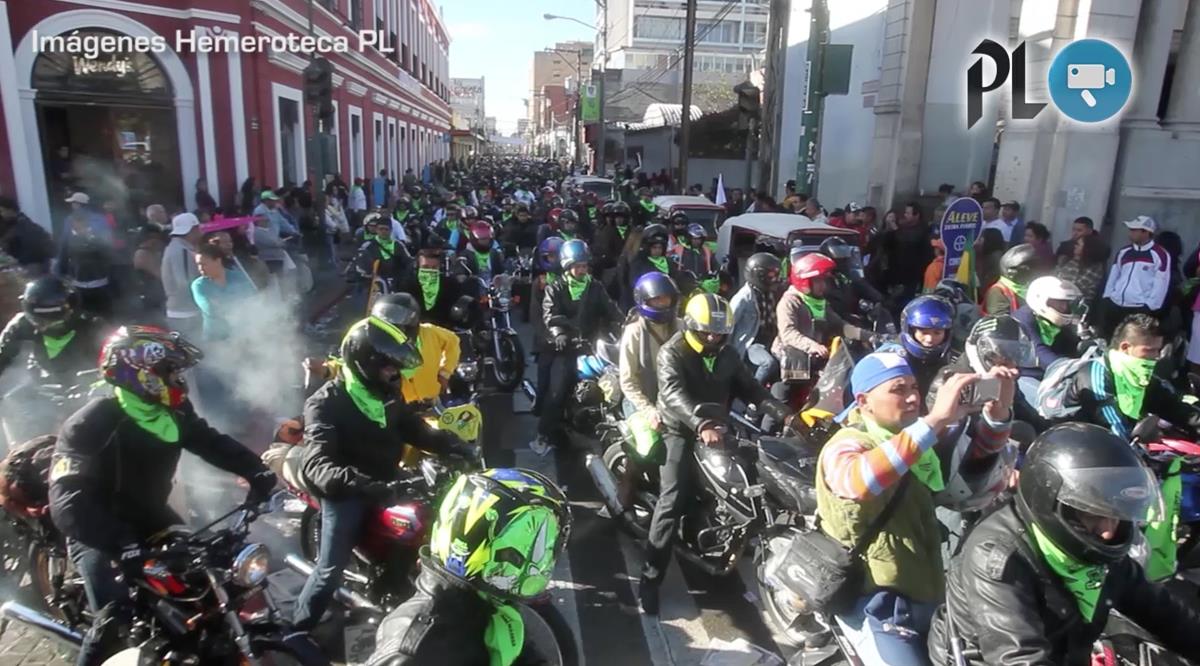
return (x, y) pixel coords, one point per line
(703, 621)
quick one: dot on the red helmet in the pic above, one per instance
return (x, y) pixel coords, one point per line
(809, 266)
(552, 216)
(481, 234)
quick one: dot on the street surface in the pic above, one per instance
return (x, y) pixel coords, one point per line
(703, 621)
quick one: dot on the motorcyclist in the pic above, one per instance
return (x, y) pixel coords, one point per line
(1037, 578)
(452, 228)
(383, 256)
(520, 231)
(483, 258)
(645, 212)
(1018, 267)
(1048, 317)
(1118, 389)
(115, 461)
(65, 339)
(651, 257)
(806, 324)
(508, 211)
(546, 271)
(753, 307)
(693, 256)
(649, 325)
(695, 366)
(677, 222)
(925, 337)
(435, 292)
(610, 238)
(573, 307)
(355, 437)
(860, 469)
(849, 286)
(496, 539)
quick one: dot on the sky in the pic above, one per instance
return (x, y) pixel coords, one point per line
(496, 39)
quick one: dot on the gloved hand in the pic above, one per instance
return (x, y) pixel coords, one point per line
(468, 452)
(261, 487)
(379, 491)
(561, 342)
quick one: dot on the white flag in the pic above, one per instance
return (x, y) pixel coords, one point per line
(720, 189)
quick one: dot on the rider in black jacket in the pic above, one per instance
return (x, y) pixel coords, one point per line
(461, 615)
(695, 366)
(355, 433)
(1037, 578)
(115, 459)
(574, 308)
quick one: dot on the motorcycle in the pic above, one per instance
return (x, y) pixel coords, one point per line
(594, 406)
(36, 408)
(202, 599)
(495, 339)
(1172, 540)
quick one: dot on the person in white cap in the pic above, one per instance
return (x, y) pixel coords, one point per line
(179, 271)
(1140, 276)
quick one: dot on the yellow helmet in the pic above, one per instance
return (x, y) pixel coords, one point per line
(711, 314)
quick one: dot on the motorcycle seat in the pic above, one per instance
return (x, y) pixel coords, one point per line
(789, 472)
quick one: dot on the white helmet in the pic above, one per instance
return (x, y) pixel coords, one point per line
(1054, 300)
(973, 485)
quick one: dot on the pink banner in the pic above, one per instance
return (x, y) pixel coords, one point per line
(222, 223)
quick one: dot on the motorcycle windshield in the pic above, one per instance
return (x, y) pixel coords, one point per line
(829, 393)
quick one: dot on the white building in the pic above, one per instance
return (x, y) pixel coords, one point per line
(902, 130)
(467, 99)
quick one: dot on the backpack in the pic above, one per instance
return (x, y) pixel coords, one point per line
(27, 469)
(1059, 379)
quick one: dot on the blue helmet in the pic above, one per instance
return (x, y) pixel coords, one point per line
(926, 312)
(696, 231)
(547, 254)
(653, 285)
(574, 252)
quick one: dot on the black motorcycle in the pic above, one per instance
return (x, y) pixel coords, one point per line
(494, 339)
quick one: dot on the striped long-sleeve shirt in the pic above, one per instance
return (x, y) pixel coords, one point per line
(855, 471)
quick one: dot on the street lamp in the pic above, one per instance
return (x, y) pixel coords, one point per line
(601, 139)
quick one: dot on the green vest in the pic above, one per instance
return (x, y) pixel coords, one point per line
(907, 554)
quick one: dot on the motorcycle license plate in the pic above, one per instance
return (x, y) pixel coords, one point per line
(465, 421)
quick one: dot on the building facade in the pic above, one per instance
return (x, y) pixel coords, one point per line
(166, 92)
(556, 67)
(467, 99)
(901, 131)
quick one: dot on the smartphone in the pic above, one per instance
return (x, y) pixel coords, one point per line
(985, 390)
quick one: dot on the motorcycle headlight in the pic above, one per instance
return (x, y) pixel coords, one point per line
(251, 566)
(468, 370)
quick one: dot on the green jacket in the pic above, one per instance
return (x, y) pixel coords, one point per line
(906, 556)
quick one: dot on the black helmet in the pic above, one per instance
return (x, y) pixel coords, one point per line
(522, 207)
(1019, 263)
(837, 248)
(998, 339)
(621, 208)
(607, 209)
(373, 344)
(568, 216)
(400, 310)
(654, 234)
(48, 303)
(1076, 469)
(679, 221)
(952, 290)
(762, 271)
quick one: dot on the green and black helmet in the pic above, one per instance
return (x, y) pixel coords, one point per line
(502, 530)
(372, 344)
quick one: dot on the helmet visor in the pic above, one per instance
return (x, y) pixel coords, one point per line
(1122, 493)
(1017, 353)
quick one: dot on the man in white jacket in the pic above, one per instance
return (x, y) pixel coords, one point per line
(1140, 276)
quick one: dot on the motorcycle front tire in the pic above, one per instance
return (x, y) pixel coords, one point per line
(509, 378)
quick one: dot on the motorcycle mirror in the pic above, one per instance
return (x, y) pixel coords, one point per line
(1147, 430)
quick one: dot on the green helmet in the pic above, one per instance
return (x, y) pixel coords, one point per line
(502, 531)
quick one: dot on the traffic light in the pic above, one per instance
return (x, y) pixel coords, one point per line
(318, 86)
(749, 104)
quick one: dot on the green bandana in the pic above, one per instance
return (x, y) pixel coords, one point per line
(505, 217)
(566, 236)
(1160, 534)
(711, 285)
(551, 278)
(387, 248)
(815, 305)
(1132, 376)
(1083, 580)
(577, 286)
(483, 261)
(1048, 330)
(504, 636)
(1018, 289)
(622, 230)
(451, 224)
(154, 419)
(660, 263)
(368, 404)
(431, 284)
(591, 211)
(648, 206)
(710, 362)
(928, 469)
(368, 236)
(400, 215)
(54, 346)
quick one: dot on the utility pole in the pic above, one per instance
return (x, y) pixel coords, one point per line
(578, 110)
(685, 117)
(601, 135)
(810, 140)
(768, 136)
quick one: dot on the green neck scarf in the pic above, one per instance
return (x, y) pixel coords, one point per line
(368, 236)
(1048, 330)
(815, 305)
(505, 217)
(431, 283)
(1083, 580)
(1132, 376)
(551, 278)
(928, 469)
(577, 286)
(710, 362)
(1018, 289)
(387, 248)
(451, 224)
(566, 236)
(483, 260)
(368, 404)
(660, 263)
(591, 211)
(648, 206)
(54, 346)
(504, 636)
(154, 419)
(400, 215)
(622, 230)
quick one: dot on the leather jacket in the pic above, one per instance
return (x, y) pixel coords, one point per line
(684, 382)
(588, 317)
(1010, 608)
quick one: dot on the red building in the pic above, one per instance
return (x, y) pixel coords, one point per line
(134, 100)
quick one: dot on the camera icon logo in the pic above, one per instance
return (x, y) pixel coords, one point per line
(1090, 81)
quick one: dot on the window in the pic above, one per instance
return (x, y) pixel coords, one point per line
(379, 16)
(356, 145)
(756, 34)
(721, 64)
(289, 139)
(379, 159)
(724, 32)
(356, 14)
(658, 27)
